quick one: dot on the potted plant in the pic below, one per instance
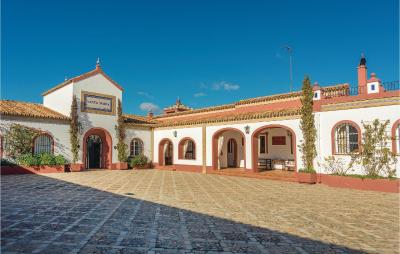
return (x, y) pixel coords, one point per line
(307, 176)
(121, 146)
(307, 126)
(139, 162)
(74, 137)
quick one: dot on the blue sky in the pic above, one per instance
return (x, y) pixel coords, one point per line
(205, 52)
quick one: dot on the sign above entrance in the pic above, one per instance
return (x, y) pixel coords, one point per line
(97, 103)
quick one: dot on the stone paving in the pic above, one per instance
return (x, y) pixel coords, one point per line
(153, 211)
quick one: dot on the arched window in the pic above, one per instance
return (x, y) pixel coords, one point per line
(346, 138)
(43, 143)
(187, 149)
(136, 147)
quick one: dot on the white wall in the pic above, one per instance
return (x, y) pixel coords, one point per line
(194, 133)
(98, 84)
(144, 135)
(60, 100)
(240, 147)
(292, 124)
(330, 118)
(59, 130)
(278, 152)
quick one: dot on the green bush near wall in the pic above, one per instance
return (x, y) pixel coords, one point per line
(42, 159)
(138, 161)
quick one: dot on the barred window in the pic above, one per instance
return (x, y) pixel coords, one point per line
(346, 137)
(136, 147)
(43, 144)
(189, 149)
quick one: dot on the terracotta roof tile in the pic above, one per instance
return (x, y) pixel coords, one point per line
(26, 109)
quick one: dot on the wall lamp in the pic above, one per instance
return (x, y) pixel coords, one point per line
(175, 133)
(247, 129)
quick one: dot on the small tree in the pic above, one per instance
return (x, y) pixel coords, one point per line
(73, 130)
(375, 156)
(120, 128)
(18, 140)
(307, 126)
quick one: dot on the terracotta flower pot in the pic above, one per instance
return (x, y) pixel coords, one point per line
(121, 165)
(303, 177)
(75, 167)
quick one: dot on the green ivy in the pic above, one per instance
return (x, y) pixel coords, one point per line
(18, 140)
(375, 156)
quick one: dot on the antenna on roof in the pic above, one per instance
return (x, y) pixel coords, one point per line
(289, 49)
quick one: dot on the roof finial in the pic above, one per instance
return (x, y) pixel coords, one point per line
(178, 101)
(98, 62)
(65, 78)
(363, 61)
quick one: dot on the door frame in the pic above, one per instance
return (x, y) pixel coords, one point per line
(235, 152)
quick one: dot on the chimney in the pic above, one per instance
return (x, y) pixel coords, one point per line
(362, 72)
(150, 114)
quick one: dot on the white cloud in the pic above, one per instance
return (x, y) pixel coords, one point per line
(147, 106)
(144, 94)
(225, 86)
(201, 94)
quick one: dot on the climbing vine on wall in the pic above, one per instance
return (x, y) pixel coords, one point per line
(120, 128)
(74, 130)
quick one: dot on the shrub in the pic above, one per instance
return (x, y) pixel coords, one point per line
(46, 159)
(335, 166)
(60, 160)
(42, 159)
(28, 160)
(138, 161)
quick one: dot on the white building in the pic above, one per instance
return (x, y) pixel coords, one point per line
(252, 134)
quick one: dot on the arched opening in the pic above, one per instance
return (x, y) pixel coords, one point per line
(274, 148)
(165, 152)
(43, 143)
(396, 137)
(187, 149)
(97, 149)
(94, 146)
(136, 147)
(346, 137)
(228, 149)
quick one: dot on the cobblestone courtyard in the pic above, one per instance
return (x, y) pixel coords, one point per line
(153, 211)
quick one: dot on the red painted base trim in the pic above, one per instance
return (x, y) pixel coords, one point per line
(384, 185)
(310, 178)
(15, 170)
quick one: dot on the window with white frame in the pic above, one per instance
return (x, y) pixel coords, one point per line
(136, 147)
(347, 139)
(43, 144)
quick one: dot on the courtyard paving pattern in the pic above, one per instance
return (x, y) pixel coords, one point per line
(153, 211)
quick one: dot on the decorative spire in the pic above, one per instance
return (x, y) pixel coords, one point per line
(363, 61)
(98, 62)
(178, 101)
